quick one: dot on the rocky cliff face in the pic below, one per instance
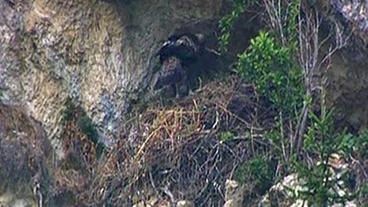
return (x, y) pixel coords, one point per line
(98, 53)
(347, 77)
(101, 54)
(25, 152)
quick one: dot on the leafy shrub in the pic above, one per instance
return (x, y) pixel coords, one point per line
(226, 136)
(271, 68)
(361, 145)
(270, 63)
(90, 130)
(322, 141)
(76, 114)
(258, 171)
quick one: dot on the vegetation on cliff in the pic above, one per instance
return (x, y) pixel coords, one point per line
(284, 65)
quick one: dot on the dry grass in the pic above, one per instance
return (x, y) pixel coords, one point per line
(170, 152)
(175, 151)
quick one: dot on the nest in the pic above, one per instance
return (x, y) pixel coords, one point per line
(178, 150)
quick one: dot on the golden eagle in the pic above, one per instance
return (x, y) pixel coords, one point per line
(184, 46)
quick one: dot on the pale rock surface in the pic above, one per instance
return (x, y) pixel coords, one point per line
(184, 203)
(13, 200)
(234, 194)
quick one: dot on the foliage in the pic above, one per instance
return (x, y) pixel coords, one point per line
(259, 171)
(228, 21)
(86, 125)
(322, 138)
(69, 111)
(282, 19)
(88, 128)
(323, 186)
(271, 68)
(73, 113)
(281, 148)
(361, 144)
(292, 13)
(226, 136)
(270, 63)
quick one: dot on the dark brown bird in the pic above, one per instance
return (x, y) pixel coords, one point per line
(172, 73)
(184, 46)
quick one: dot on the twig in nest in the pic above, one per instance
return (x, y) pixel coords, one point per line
(237, 117)
(168, 192)
(140, 151)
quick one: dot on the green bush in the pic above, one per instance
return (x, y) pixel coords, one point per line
(258, 171)
(226, 136)
(272, 69)
(322, 141)
(361, 145)
(270, 63)
(86, 125)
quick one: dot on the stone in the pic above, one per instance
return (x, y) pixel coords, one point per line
(184, 203)
(234, 194)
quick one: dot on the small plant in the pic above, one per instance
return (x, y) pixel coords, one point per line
(271, 68)
(226, 136)
(228, 21)
(323, 186)
(76, 114)
(69, 111)
(361, 145)
(88, 128)
(258, 171)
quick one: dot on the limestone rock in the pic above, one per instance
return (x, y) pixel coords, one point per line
(153, 202)
(184, 203)
(234, 194)
(10, 199)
